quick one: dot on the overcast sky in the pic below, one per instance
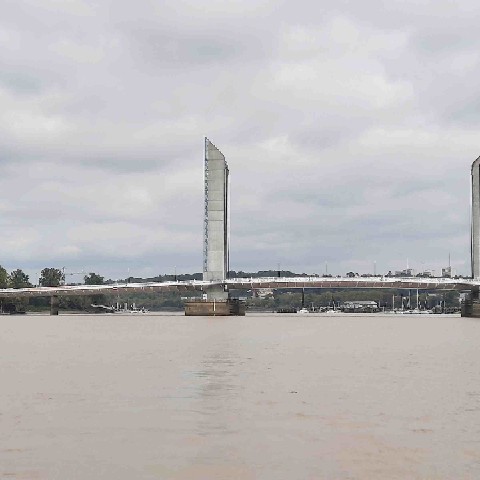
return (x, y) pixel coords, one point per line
(349, 128)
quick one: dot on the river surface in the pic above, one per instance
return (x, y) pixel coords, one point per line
(259, 397)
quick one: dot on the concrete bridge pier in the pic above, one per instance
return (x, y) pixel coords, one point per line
(475, 293)
(215, 308)
(54, 305)
(216, 304)
(471, 305)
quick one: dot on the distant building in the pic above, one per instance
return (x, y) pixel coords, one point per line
(360, 306)
(447, 272)
(408, 272)
(426, 274)
(262, 293)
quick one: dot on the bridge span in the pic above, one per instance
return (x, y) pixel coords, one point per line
(230, 284)
(246, 284)
(355, 282)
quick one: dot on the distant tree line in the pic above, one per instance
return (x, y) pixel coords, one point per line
(15, 279)
(49, 277)
(184, 277)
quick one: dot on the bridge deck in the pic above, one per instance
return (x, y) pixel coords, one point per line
(247, 284)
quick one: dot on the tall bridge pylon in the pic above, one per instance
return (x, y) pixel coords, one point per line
(216, 235)
(471, 308)
(216, 238)
(475, 220)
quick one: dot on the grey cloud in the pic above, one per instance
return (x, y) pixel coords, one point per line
(442, 42)
(168, 49)
(348, 127)
(464, 111)
(323, 137)
(22, 83)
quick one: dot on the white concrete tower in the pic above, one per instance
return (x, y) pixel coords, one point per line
(216, 222)
(475, 225)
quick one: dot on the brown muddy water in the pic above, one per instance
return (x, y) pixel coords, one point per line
(260, 397)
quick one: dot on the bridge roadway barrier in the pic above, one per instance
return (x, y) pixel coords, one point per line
(356, 282)
(85, 290)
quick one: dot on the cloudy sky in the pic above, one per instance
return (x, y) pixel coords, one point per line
(349, 128)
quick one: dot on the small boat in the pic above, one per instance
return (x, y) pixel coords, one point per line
(303, 309)
(287, 310)
(117, 309)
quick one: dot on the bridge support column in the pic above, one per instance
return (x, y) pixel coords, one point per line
(475, 293)
(216, 292)
(471, 305)
(54, 305)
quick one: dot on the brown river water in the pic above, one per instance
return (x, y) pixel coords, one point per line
(260, 397)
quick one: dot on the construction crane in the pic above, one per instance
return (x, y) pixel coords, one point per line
(64, 273)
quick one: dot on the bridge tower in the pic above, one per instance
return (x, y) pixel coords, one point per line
(471, 307)
(216, 233)
(216, 238)
(475, 220)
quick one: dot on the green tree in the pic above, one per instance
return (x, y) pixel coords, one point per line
(18, 279)
(51, 277)
(3, 278)
(93, 279)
